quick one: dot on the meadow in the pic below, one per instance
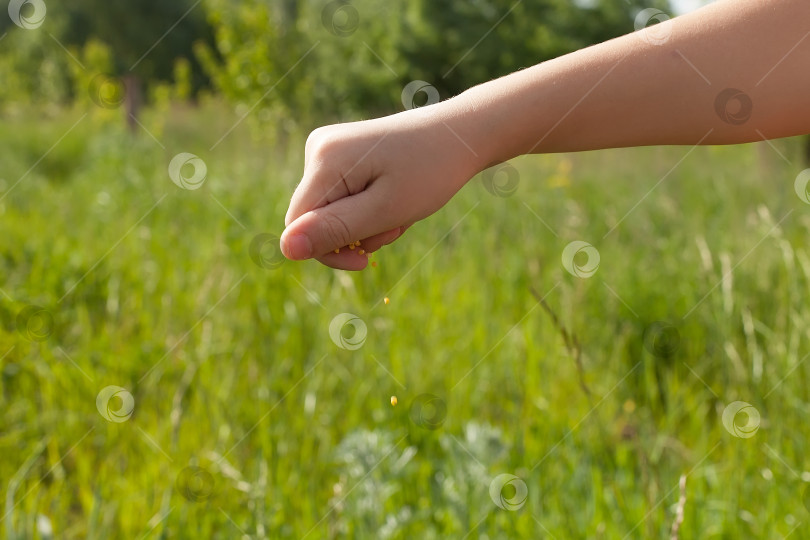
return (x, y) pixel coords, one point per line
(243, 406)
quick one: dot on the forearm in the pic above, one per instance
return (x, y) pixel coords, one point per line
(369, 180)
(631, 91)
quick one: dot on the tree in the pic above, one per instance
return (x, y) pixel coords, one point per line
(296, 62)
(308, 60)
(146, 38)
(456, 44)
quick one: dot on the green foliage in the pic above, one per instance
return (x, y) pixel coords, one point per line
(292, 66)
(456, 44)
(33, 69)
(55, 63)
(232, 369)
(340, 59)
(146, 37)
(297, 62)
(182, 79)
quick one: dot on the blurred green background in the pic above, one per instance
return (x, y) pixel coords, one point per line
(166, 374)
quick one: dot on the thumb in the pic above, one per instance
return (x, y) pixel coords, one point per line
(335, 225)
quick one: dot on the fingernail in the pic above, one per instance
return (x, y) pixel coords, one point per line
(297, 247)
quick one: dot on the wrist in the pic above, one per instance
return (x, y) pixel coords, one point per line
(499, 118)
(452, 133)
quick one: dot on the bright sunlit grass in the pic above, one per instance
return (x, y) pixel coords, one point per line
(249, 418)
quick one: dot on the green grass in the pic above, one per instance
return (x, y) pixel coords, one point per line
(232, 370)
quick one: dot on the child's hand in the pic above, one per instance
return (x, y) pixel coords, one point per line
(371, 180)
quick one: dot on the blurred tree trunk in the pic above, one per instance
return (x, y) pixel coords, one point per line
(132, 99)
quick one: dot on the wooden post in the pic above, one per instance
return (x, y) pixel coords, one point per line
(133, 100)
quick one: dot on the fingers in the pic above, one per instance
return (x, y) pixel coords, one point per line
(377, 241)
(314, 191)
(322, 230)
(353, 259)
(344, 261)
(330, 209)
(334, 168)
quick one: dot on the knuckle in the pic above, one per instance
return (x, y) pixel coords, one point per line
(314, 136)
(321, 141)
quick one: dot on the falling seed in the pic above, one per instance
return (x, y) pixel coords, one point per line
(386, 300)
(361, 251)
(337, 250)
(374, 264)
(351, 246)
(357, 242)
(393, 401)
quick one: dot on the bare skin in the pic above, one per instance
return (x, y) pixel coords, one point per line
(666, 85)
